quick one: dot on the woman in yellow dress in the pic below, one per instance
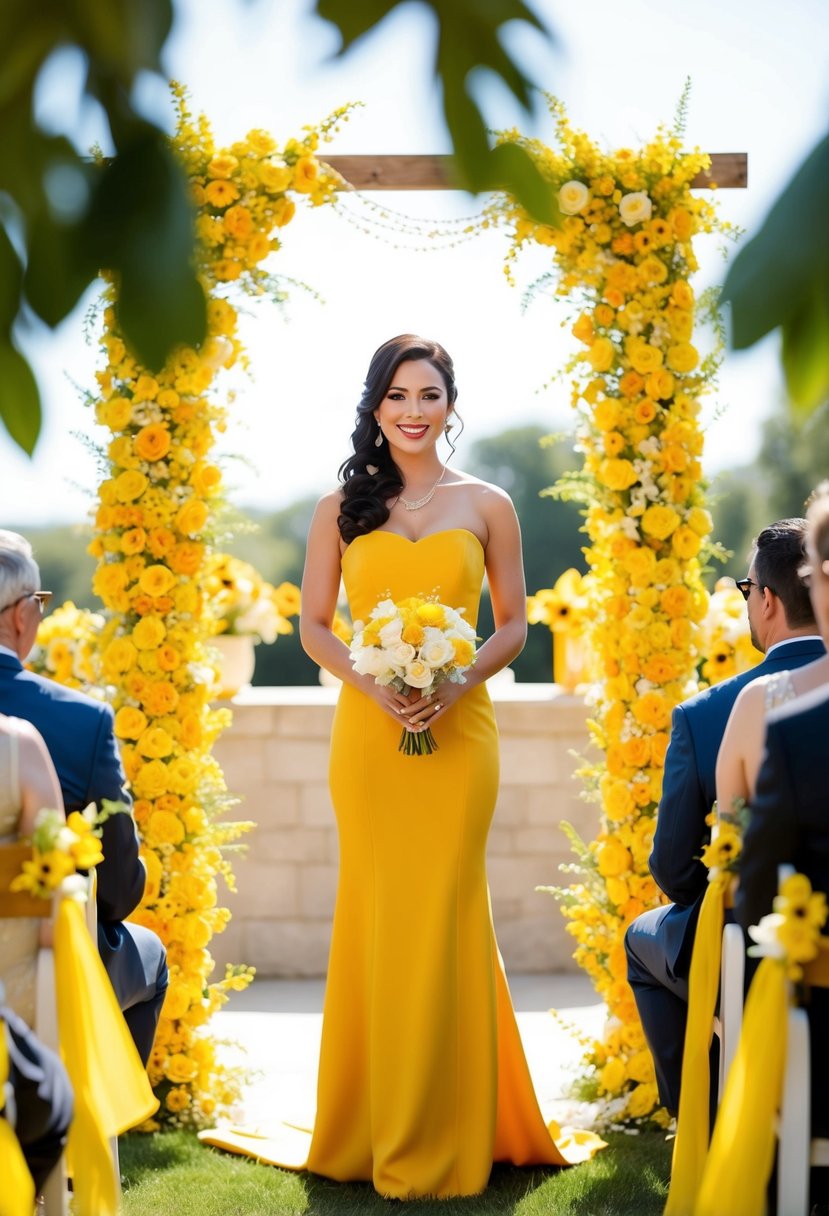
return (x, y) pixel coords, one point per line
(423, 1081)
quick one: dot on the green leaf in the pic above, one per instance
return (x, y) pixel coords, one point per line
(19, 398)
(513, 169)
(11, 277)
(121, 37)
(806, 351)
(57, 272)
(780, 270)
(354, 18)
(155, 317)
(140, 225)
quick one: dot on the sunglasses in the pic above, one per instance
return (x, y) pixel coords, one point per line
(744, 586)
(42, 597)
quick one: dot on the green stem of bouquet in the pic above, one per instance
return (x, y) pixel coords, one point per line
(417, 743)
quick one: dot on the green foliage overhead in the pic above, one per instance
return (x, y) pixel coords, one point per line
(469, 37)
(71, 218)
(780, 279)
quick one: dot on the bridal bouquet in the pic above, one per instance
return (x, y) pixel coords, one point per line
(416, 643)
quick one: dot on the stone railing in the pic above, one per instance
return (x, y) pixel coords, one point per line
(275, 757)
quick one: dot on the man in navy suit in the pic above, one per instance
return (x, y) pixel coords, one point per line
(78, 731)
(659, 942)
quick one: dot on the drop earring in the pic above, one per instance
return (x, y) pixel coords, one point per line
(378, 442)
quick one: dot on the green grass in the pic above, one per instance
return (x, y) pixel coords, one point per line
(174, 1175)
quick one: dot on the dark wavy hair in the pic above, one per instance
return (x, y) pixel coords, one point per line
(365, 494)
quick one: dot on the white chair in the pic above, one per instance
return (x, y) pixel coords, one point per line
(12, 906)
(730, 1019)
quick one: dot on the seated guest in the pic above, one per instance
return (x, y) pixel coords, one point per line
(659, 943)
(789, 816)
(78, 732)
(41, 1089)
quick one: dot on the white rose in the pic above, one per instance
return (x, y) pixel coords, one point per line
(390, 633)
(370, 661)
(418, 674)
(437, 651)
(634, 208)
(401, 654)
(384, 608)
(572, 197)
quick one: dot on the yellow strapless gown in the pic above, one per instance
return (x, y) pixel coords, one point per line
(423, 1082)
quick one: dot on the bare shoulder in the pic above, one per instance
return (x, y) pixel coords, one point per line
(752, 698)
(491, 501)
(327, 511)
(28, 735)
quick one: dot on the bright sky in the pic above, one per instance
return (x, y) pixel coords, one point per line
(760, 85)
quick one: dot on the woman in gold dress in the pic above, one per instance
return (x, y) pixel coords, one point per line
(423, 1081)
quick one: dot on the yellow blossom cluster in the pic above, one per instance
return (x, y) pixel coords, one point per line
(623, 256)
(245, 603)
(725, 644)
(154, 527)
(66, 648)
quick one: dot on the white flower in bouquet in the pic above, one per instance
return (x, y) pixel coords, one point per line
(417, 643)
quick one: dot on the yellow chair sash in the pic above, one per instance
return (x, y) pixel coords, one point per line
(742, 1148)
(691, 1143)
(111, 1088)
(17, 1194)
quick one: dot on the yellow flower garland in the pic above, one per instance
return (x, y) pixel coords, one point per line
(623, 255)
(153, 543)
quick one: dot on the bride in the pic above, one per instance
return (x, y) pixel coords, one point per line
(423, 1082)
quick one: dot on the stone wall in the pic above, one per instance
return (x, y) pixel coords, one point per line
(275, 758)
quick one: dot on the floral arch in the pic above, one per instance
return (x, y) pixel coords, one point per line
(622, 259)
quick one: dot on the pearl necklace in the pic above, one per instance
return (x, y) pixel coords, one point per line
(421, 502)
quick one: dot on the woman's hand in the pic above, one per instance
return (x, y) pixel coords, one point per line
(421, 711)
(392, 702)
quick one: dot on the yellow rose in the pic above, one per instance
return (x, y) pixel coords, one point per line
(642, 1100)
(644, 357)
(149, 633)
(164, 828)
(191, 517)
(699, 520)
(156, 580)
(159, 698)
(179, 1068)
(119, 657)
(130, 485)
(117, 413)
(152, 442)
(601, 355)
(274, 176)
(682, 295)
(618, 804)
(686, 543)
(660, 385)
(238, 222)
(652, 710)
(659, 521)
(583, 329)
(607, 414)
(146, 388)
(613, 1076)
(683, 357)
(155, 743)
(617, 474)
(222, 166)
(129, 722)
(306, 172)
(283, 211)
(151, 780)
(613, 859)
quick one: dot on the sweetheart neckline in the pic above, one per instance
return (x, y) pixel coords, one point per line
(417, 541)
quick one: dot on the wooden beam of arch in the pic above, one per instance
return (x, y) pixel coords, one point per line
(729, 170)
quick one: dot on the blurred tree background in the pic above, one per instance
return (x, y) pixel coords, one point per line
(793, 458)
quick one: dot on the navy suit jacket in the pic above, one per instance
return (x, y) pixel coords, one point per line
(689, 791)
(78, 732)
(789, 819)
